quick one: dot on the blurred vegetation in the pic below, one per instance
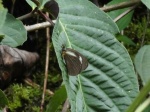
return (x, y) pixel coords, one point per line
(138, 30)
(24, 98)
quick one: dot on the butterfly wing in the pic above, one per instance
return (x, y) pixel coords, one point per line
(73, 64)
(81, 58)
(84, 62)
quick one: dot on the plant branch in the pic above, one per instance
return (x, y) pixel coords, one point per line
(132, 3)
(38, 26)
(125, 13)
(66, 106)
(120, 5)
(34, 12)
(46, 66)
(25, 16)
(143, 106)
(12, 7)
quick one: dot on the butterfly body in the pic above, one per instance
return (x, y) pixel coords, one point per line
(75, 62)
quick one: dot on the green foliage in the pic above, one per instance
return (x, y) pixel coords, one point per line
(147, 109)
(3, 13)
(142, 63)
(140, 98)
(32, 4)
(126, 40)
(139, 33)
(108, 84)
(110, 78)
(24, 98)
(124, 21)
(138, 29)
(12, 31)
(59, 97)
(3, 99)
(1, 37)
(38, 3)
(1, 5)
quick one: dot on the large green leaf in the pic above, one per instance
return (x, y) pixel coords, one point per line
(109, 83)
(147, 3)
(3, 99)
(124, 21)
(142, 63)
(14, 31)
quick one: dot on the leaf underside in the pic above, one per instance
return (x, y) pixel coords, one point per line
(109, 84)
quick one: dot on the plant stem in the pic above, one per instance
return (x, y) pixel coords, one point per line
(120, 5)
(124, 13)
(38, 26)
(140, 98)
(143, 106)
(46, 65)
(66, 106)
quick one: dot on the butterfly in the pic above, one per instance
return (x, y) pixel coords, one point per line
(75, 62)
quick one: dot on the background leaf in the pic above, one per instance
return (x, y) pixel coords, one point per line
(32, 4)
(147, 3)
(59, 97)
(1, 5)
(1, 37)
(3, 99)
(14, 31)
(109, 83)
(41, 3)
(147, 109)
(126, 40)
(124, 21)
(142, 63)
(3, 13)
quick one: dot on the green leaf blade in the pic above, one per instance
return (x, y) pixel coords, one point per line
(59, 97)
(3, 99)
(142, 63)
(124, 21)
(32, 4)
(109, 83)
(126, 40)
(14, 31)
